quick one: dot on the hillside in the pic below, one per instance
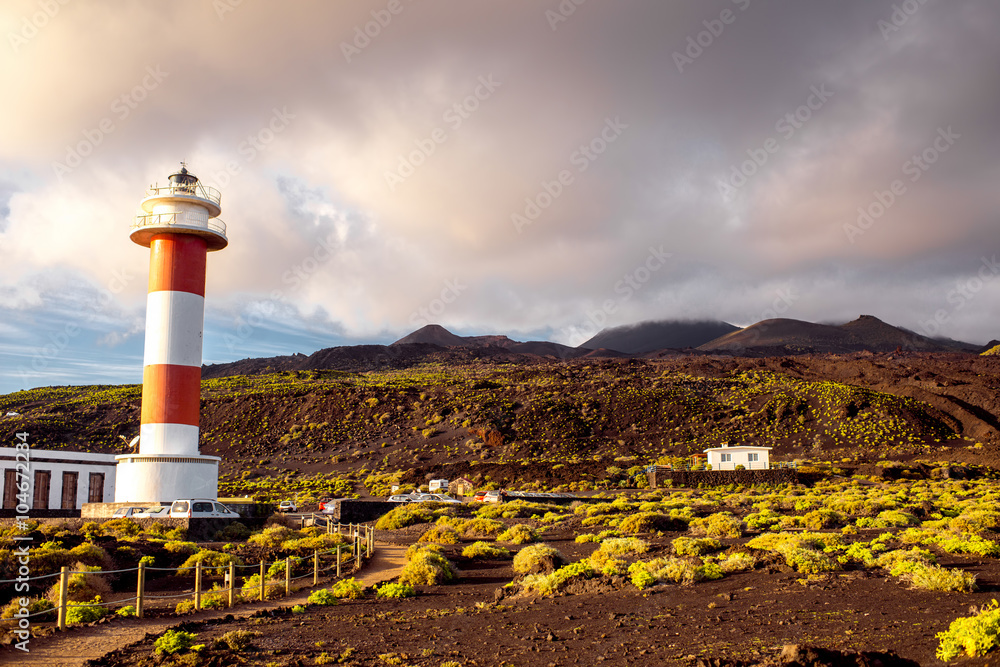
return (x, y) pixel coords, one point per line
(647, 337)
(788, 336)
(552, 423)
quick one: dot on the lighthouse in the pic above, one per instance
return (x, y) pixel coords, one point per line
(179, 224)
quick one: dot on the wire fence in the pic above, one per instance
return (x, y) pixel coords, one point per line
(361, 546)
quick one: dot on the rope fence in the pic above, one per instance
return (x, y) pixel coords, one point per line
(362, 545)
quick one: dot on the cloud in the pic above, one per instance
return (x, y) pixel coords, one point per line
(479, 109)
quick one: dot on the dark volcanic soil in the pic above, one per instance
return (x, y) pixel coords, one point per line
(747, 616)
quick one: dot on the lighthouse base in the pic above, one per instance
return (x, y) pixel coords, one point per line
(144, 478)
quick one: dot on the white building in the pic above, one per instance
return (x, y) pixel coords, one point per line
(727, 457)
(58, 480)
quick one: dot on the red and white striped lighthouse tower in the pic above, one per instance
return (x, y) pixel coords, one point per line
(179, 225)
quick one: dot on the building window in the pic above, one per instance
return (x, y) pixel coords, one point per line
(752, 456)
(727, 458)
(69, 483)
(9, 489)
(96, 492)
(42, 480)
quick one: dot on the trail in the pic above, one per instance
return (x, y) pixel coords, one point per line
(76, 646)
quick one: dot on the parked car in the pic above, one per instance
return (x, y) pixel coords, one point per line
(287, 506)
(479, 496)
(495, 496)
(123, 512)
(400, 499)
(322, 503)
(160, 512)
(329, 507)
(201, 508)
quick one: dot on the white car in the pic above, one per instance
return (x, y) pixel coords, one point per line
(287, 506)
(437, 498)
(123, 512)
(400, 499)
(161, 512)
(201, 508)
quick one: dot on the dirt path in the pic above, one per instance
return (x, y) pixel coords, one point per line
(78, 645)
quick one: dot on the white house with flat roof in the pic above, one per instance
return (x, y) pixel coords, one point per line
(727, 457)
(58, 480)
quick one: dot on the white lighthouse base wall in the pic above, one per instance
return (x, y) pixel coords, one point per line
(162, 479)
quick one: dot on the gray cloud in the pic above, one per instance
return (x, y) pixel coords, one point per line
(316, 228)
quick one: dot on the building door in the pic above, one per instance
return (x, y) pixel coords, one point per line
(9, 489)
(70, 480)
(42, 480)
(96, 494)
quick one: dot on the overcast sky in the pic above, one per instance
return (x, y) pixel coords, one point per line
(529, 167)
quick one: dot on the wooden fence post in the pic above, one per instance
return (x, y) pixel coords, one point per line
(63, 595)
(232, 584)
(357, 552)
(197, 586)
(263, 573)
(288, 575)
(329, 527)
(140, 589)
(338, 561)
(315, 567)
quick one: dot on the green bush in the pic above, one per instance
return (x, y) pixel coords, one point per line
(549, 584)
(405, 515)
(484, 550)
(940, 579)
(348, 588)
(173, 641)
(688, 546)
(323, 597)
(395, 591)
(176, 547)
(208, 559)
(239, 640)
(35, 605)
(537, 558)
(518, 534)
(720, 524)
(428, 567)
(234, 532)
(973, 635)
(272, 536)
(440, 535)
(85, 612)
(646, 573)
(737, 562)
(822, 518)
(649, 522)
(123, 527)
